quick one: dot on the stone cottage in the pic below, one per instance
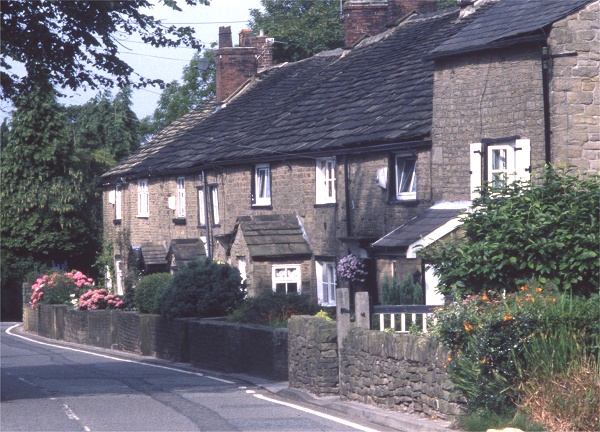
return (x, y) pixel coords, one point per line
(372, 149)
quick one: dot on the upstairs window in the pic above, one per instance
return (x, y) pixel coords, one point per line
(326, 283)
(118, 202)
(325, 181)
(261, 185)
(212, 200)
(499, 163)
(405, 171)
(180, 207)
(286, 279)
(143, 207)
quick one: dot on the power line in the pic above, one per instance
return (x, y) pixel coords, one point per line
(149, 55)
(202, 23)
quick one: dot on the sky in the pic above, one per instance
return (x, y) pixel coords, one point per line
(167, 63)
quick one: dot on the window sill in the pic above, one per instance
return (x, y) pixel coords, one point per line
(406, 202)
(179, 221)
(142, 216)
(262, 207)
(117, 222)
(325, 205)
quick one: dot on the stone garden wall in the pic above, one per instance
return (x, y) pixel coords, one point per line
(212, 344)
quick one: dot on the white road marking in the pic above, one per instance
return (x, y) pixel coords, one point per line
(318, 414)
(8, 331)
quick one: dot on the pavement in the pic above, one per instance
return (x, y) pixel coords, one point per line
(387, 418)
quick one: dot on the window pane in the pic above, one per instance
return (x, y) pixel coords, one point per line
(215, 205)
(406, 177)
(499, 159)
(201, 208)
(280, 288)
(292, 287)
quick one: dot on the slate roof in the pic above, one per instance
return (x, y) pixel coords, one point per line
(416, 228)
(380, 92)
(186, 250)
(153, 254)
(273, 236)
(507, 19)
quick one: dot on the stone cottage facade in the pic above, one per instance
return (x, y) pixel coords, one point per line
(366, 150)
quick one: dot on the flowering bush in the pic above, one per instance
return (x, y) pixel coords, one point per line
(58, 288)
(352, 268)
(99, 299)
(490, 333)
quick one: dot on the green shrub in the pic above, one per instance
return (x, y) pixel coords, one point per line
(273, 309)
(489, 334)
(406, 293)
(148, 292)
(546, 229)
(204, 288)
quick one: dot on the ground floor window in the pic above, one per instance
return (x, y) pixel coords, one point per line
(326, 283)
(286, 278)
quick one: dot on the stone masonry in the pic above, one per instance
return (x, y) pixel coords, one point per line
(575, 90)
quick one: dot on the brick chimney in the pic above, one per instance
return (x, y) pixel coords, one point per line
(371, 17)
(234, 65)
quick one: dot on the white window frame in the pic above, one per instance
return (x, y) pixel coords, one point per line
(286, 274)
(180, 208)
(143, 207)
(262, 185)
(326, 282)
(201, 208)
(405, 177)
(119, 276)
(325, 181)
(213, 204)
(118, 201)
(242, 267)
(517, 164)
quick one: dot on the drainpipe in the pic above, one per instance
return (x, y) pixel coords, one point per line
(347, 193)
(546, 62)
(206, 217)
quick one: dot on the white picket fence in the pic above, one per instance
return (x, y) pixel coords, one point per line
(406, 314)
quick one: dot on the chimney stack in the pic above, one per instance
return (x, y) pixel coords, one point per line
(235, 65)
(371, 17)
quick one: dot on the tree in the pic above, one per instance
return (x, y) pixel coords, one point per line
(177, 99)
(74, 43)
(301, 28)
(42, 176)
(546, 230)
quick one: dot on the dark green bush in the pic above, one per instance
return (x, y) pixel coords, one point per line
(204, 288)
(273, 309)
(149, 290)
(546, 229)
(406, 293)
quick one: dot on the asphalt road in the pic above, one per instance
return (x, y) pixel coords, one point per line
(46, 387)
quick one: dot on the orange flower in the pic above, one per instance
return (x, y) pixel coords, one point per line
(485, 297)
(529, 298)
(538, 290)
(523, 287)
(552, 299)
(468, 326)
(449, 358)
(507, 317)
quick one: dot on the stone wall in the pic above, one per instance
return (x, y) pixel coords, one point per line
(212, 344)
(235, 348)
(401, 372)
(488, 95)
(313, 355)
(575, 90)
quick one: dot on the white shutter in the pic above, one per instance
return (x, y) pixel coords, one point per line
(522, 159)
(321, 295)
(475, 161)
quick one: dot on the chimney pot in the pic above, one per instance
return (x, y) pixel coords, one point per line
(225, 40)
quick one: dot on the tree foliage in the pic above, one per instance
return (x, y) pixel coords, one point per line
(75, 43)
(301, 28)
(177, 99)
(546, 230)
(51, 209)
